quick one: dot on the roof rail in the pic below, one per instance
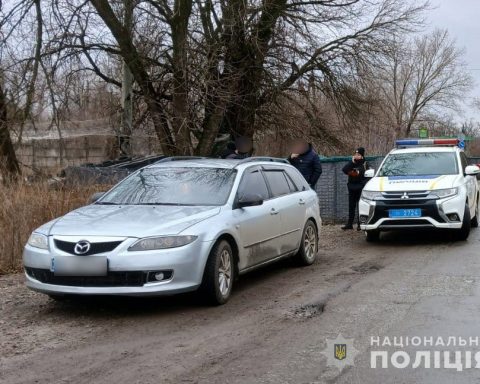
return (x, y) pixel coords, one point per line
(263, 158)
(179, 158)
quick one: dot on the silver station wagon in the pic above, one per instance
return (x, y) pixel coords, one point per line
(178, 226)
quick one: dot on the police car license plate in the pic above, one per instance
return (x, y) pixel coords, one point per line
(407, 212)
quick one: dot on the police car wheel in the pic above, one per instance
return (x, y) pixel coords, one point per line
(372, 236)
(474, 223)
(462, 233)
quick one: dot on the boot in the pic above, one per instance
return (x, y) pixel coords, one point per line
(347, 226)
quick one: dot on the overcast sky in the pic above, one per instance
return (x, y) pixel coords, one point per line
(462, 19)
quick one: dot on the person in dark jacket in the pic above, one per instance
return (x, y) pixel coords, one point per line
(229, 150)
(244, 148)
(306, 160)
(355, 169)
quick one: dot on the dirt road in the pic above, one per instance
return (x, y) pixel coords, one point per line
(273, 330)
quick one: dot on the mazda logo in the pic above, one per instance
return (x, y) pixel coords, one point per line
(82, 247)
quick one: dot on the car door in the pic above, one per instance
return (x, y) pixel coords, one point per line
(291, 208)
(259, 226)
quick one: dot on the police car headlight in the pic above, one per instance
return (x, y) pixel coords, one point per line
(38, 240)
(371, 195)
(443, 193)
(161, 242)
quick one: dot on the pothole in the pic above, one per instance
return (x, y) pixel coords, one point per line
(308, 311)
(367, 267)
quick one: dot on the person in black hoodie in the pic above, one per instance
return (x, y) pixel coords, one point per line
(306, 160)
(355, 169)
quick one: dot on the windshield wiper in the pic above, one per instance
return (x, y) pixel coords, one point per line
(106, 203)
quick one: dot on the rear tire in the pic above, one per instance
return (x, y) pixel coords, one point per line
(462, 233)
(372, 236)
(219, 274)
(307, 253)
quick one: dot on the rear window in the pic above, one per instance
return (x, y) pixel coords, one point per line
(420, 164)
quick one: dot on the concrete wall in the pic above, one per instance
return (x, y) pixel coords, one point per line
(51, 155)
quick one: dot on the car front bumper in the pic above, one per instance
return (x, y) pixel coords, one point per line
(184, 265)
(374, 215)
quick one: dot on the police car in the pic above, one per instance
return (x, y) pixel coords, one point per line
(421, 184)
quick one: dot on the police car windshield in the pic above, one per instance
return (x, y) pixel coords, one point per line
(420, 164)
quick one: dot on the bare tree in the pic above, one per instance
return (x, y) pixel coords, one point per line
(422, 76)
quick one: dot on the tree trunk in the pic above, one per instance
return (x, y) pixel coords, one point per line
(179, 26)
(125, 144)
(9, 163)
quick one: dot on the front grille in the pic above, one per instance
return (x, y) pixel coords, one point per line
(113, 279)
(429, 208)
(406, 195)
(67, 246)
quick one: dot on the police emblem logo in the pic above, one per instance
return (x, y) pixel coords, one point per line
(340, 351)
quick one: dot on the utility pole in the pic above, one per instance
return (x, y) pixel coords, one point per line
(126, 128)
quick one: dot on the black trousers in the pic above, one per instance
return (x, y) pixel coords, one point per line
(353, 199)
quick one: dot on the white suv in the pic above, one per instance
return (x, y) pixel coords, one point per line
(421, 184)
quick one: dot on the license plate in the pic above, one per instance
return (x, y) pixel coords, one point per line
(406, 212)
(79, 266)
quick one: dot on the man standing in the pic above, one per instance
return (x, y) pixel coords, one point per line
(355, 170)
(306, 160)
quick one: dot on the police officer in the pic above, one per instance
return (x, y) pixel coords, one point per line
(355, 169)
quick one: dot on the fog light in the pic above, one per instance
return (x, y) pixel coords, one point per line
(157, 276)
(363, 219)
(453, 217)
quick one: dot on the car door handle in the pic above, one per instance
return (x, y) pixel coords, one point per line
(301, 202)
(273, 211)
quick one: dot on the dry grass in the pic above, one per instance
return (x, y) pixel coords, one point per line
(24, 207)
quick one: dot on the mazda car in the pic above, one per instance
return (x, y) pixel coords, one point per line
(178, 226)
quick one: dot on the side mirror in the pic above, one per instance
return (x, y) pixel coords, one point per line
(249, 200)
(95, 197)
(472, 170)
(370, 173)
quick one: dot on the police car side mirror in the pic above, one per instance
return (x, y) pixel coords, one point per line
(370, 173)
(472, 170)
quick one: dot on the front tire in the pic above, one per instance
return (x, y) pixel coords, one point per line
(462, 233)
(219, 274)
(309, 245)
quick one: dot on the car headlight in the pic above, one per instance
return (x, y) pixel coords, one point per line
(161, 242)
(371, 195)
(38, 240)
(443, 193)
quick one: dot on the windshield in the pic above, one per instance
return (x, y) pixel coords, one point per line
(173, 186)
(420, 164)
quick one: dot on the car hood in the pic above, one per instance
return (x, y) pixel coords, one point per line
(128, 220)
(412, 183)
